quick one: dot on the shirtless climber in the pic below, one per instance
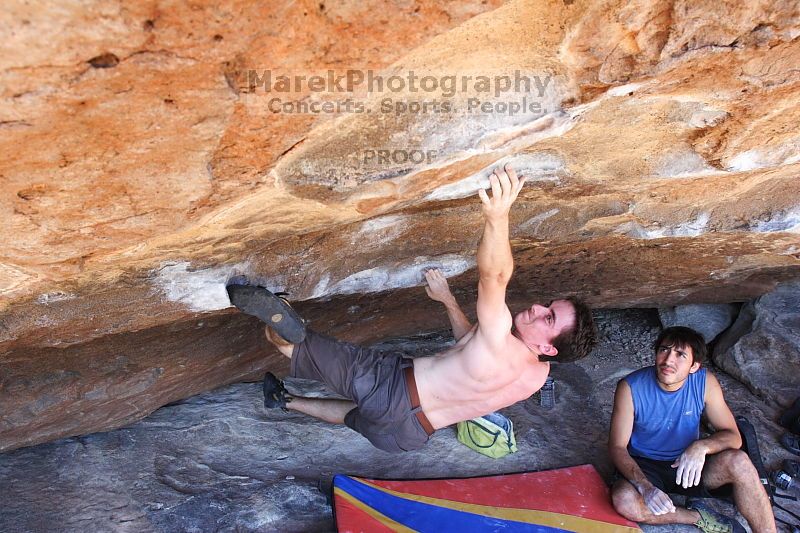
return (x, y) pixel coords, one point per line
(397, 403)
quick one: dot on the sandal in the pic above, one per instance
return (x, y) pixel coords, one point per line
(713, 522)
(271, 308)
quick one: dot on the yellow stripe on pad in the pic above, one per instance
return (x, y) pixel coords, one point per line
(383, 519)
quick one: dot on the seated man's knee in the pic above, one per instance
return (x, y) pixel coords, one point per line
(627, 501)
(737, 464)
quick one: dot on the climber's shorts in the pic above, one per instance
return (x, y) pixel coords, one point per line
(375, 381)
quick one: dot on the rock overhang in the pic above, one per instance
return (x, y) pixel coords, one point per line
(662, 170)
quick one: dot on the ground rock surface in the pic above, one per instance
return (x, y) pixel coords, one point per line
(143, 163)
(762, 348)
(219, 462)
(707, 319)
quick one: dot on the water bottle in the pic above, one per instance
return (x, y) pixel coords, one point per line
(547, 394)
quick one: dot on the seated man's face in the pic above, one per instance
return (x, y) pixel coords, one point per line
(674, 364)
(539, 325)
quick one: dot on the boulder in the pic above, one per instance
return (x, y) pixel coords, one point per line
(762, 348)
(707, 319)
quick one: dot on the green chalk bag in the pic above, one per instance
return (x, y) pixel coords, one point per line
(491, 435)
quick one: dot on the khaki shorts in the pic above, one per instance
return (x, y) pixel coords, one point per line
(373, 380)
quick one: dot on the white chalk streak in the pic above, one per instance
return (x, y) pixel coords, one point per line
(200, 290)
(385, 278)
(691, 228)
(622, 90)
(536, 167)
(51, 297)
(786, 153)
(532, 224)
(684, 162)
(788, 222)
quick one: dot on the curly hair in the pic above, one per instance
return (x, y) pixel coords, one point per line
(578, 341)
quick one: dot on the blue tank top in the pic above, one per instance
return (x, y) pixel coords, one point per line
(665, 423)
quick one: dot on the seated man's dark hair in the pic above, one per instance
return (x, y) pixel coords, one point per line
(576, 342)
(682, 337)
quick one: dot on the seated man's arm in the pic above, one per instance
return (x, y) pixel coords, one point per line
(495, 263)
(619, 437)
(726, 432)
(439, 290)
(726, 436)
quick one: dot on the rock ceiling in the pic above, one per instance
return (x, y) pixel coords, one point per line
(144, 160)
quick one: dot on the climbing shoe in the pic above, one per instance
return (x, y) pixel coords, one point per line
(713, 522)
(271, 308)
(274, 392)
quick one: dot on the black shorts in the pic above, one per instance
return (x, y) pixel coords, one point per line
(662, 475)
(373, 380)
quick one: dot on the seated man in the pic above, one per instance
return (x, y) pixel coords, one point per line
(397, 403)
(656, 446)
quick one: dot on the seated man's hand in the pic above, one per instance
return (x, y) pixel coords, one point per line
(658, 501)
(437, 287)
(690, 465)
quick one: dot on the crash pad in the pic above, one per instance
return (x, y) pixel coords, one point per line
(567, 499)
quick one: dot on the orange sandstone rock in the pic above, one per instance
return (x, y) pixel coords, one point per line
(143, 163)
